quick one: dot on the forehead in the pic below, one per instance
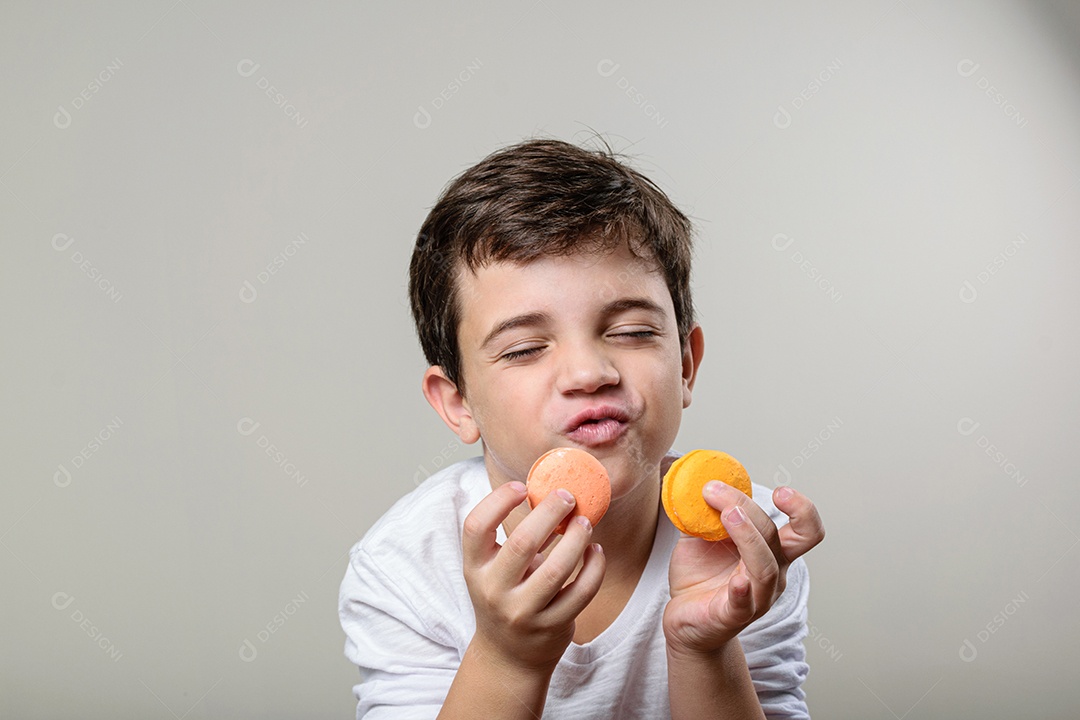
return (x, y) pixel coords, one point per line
(564, 285)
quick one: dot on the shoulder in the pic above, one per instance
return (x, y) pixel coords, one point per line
(411, 557)
(437, 506)
(403, 602)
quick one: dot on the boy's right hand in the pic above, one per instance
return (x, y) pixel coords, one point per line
(524, 615)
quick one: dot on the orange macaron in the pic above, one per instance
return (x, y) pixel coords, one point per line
(682, 491)
(576, 471)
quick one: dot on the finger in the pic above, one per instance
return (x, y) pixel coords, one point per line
(561, 562)
(537, 560)
(735, 607)
(531, 533)
(804, 529)
(572, 599)
(551, 538)
(760, 565)
(478, 535)
(722, 496)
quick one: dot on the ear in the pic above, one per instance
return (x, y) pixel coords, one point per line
(443, 395)
(691, 360)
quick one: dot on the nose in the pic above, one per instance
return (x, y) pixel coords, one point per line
(585, 367)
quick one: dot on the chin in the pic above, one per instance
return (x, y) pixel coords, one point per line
(629, 482)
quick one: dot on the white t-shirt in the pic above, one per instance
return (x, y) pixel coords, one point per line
(408, 619)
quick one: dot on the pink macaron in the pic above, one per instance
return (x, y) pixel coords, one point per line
(576, 471)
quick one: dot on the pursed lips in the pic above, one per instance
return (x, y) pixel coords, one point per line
(597, 425)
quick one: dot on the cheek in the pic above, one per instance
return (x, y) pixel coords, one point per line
(671, 387)
(662, 392)
(505, 403)
(669, 373)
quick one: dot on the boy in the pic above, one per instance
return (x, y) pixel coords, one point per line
(550, 287)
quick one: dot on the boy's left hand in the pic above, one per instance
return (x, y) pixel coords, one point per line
(718, 588)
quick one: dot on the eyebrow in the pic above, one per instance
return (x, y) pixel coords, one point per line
(633, 303)
(535, 318)
(539, 318)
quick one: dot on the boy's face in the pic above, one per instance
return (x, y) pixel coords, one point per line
(545, 344)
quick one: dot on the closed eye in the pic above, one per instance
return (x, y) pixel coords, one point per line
(527, 352)
(636, 337)
(518, 354)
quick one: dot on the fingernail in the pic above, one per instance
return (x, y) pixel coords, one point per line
(736, 516)
(784, 493)
(518, 487)
(713, 487)
(583, 522)
(596, 546)
(565, 495)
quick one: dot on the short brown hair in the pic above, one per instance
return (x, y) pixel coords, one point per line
(538, 198)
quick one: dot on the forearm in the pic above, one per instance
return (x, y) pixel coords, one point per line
(715, 684)
(486, 687)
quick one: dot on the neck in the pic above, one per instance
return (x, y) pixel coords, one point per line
(627, 531)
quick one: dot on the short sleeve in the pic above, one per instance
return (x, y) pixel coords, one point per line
(405, 669)
(773, 645)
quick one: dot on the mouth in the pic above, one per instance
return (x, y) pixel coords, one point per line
(597, 426)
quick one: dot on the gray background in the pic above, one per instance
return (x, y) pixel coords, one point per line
(886, 196)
